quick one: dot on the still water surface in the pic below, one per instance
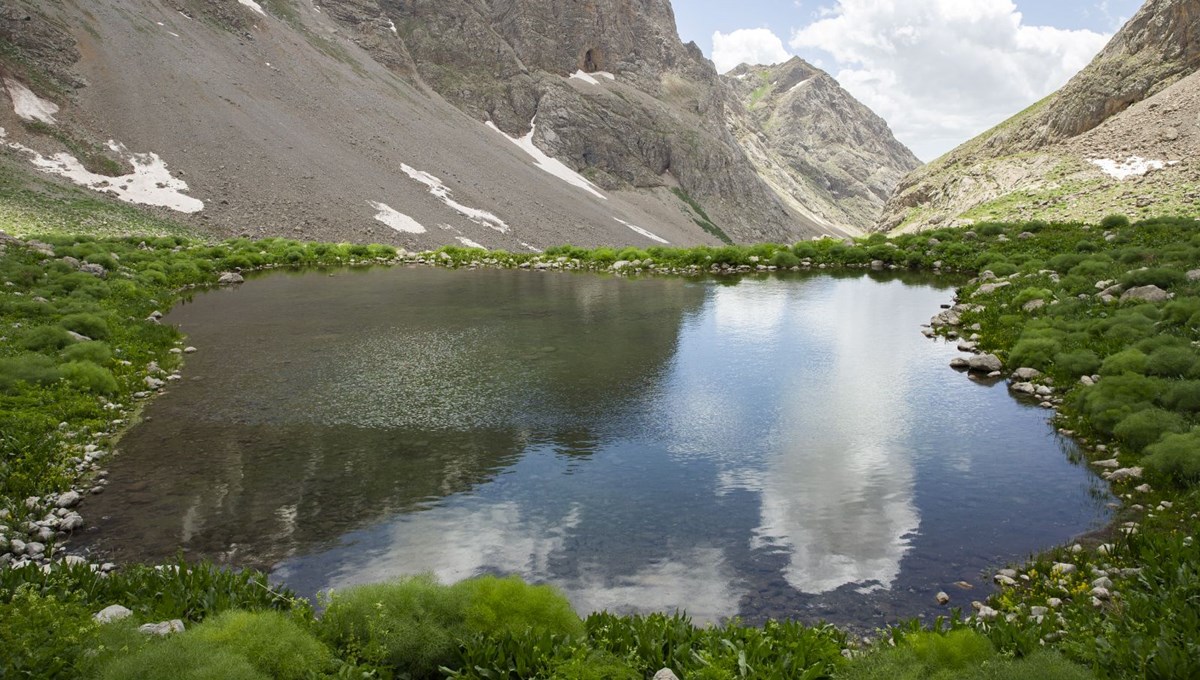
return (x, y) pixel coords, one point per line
(770, 447)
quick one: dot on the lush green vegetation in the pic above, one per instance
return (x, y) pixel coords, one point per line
(78, 345)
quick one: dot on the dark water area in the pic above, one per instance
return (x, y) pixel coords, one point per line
(783, 446)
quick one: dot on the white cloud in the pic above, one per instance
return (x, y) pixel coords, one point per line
(747, 46)
(942, 71)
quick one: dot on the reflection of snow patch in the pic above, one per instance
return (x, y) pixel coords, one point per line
(150, 183)
(440, 190)
(254, 6)
(28, 105)
(641, 231)
(396, 219)
(1134, 166)
(469, 243)
(551, 165)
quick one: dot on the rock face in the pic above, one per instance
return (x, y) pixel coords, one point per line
(513, 124)
(1119, 137)
(816, 145)
(642, 111)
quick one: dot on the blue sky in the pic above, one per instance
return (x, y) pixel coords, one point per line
(939, 71)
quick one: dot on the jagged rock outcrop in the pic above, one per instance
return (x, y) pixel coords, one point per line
(645, 111)
(368, 120)
(1119, 137)
(824, 151)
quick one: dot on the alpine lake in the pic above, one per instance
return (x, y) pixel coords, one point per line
(762, 446)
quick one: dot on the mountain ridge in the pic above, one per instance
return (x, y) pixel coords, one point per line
(1088, 149)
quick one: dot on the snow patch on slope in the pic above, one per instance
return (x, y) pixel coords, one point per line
(442, 192)
(1134, 166)
(551, 165)
(150, 183)
(641, 231)
(28, 105)
(591, 77)
(396, 219)
(469, 243)
(253, 5)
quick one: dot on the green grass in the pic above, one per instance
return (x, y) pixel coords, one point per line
(1145, 408)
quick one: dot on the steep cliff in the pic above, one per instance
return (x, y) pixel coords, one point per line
(1119, 137)
(822, 150)
(510, 124)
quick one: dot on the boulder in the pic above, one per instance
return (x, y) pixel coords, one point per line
(1026, 373)
(162, 628)
(1125, 474)
(985, 363)
(1146, 294)
(93, 269)
(989, 288)
(230, 278)
(113, 612)
(665, 674)
(69, 499)
(943, 598)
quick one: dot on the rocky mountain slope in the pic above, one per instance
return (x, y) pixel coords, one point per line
(1121, 136)
(511, 124)
(830, 157)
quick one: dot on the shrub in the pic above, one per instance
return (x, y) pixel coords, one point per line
(89, 376)
(1183, 396)
(1034, 352)
(42, 636)
(1076, 363)
(1177, 456)
(955, 650)
(1142, 428)
(1155, 276)
(1126, 361)
(94, 351)
(1170, 362)
(509, 605)
(596, 666)
(273, 643)
(43, 338)
(34, 369)
(1116, 397)
(90, 325)
(181, 657)
(785, 260)
(1114, 221)
(413, 625)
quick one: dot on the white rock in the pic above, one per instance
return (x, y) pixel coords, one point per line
(1064, 568)
(942, 598)
(230, 278)
(1125, 474)
(69, 499)
(1111, 463)
(1054, 603)
(665, 674)
(162, 627)
(986, 613)
(114, 612)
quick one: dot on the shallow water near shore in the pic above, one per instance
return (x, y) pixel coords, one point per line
(782, 446)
